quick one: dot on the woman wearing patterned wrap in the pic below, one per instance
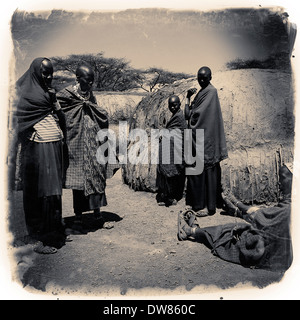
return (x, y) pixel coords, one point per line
(85, 176)
(40, 121)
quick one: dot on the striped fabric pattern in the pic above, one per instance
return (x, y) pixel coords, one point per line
(47, 130)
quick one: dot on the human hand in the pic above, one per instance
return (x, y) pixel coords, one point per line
(52, 95)
(190, 92)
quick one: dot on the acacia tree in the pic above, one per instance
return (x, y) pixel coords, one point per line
(111, 74)
(154, 78)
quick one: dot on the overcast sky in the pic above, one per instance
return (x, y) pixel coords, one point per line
(181, 50)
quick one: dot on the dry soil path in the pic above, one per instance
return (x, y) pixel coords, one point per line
(140, 256)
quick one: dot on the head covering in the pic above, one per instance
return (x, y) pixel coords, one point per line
(252, 247)
(35, 102)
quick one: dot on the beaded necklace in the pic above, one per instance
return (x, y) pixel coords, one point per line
(84, 96)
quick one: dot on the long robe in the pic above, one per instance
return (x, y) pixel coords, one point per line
(171, 176)
(41, 163)
(204, 190)
(177, 123)
(83, 123)
(206, 114)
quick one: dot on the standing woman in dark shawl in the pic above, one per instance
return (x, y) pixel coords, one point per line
(171, 176)
(84, 118)
(204, 190)
(40, 120)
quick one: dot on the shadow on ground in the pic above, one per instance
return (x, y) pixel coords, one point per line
(90, 223)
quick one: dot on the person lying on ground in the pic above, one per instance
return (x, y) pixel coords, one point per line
(261, 240)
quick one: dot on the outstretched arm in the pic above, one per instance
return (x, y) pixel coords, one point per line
(232, 203)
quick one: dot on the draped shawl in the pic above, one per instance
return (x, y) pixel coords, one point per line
(35, 103)
(83, 123)
(177, 121)
(206, 114)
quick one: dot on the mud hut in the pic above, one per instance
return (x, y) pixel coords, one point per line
(258, 113)
(119, 105)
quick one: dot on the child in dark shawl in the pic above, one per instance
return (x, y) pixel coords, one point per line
(85, 176)
(171, 175)
(263, 240)
(203, 193)
(40, 121)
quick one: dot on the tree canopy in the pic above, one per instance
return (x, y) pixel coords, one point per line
(112, 74)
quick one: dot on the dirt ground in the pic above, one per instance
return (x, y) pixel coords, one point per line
(141, 256)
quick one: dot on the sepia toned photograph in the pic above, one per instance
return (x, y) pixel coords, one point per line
(150, 151)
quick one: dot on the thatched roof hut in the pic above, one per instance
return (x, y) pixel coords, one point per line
(119, 105)
(257, 108)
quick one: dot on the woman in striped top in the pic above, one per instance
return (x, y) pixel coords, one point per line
(40, 125)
